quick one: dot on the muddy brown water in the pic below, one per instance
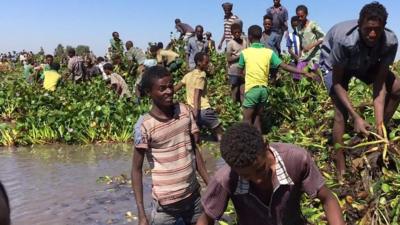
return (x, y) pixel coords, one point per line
(58, 184)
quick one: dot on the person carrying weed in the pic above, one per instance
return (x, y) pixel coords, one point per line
(196, 95)
(167, 136)
(256, 61)
(167, 58)
(265, 181)
(365, 49)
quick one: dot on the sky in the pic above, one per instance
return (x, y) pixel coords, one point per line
(31, 24)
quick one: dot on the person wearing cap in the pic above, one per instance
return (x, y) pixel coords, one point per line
(185, 30)
(229, 19)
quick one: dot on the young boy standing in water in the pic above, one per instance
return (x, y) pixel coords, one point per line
(167, 136)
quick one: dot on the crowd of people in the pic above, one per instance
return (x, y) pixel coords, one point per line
(265, 181)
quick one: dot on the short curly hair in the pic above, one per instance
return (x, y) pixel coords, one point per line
(241, 144)
(151, 74)
(373, 11)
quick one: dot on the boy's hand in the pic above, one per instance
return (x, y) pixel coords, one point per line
(360, 126)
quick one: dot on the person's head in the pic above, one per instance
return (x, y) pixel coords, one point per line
(100, 59)
(236, 31)
(115, 35)
(71, 52)
(277, 3)
(201, 59)
(4, 207)
(302, 13)
(177, 21)
(208, 35)
(158, 84)
(49, 59)
(372, 22)
(244, 150)
(153, 50)
(128, 45)
(294, 21)
(116, 59)
(108, 68)
(254, 33)
(227, 7)
(199, 31)
(55, 66)
(160, 45)
(267, 22)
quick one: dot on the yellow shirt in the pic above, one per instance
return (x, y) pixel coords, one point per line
(167, 56)
(51, 79)
(257, 61)
(196, 80)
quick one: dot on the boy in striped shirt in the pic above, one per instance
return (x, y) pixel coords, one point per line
(166, 136)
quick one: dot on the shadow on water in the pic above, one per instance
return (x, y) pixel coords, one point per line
(58, 184)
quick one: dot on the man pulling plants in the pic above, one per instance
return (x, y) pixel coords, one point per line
(364, 49)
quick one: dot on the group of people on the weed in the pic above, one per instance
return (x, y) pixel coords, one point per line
(264, 181)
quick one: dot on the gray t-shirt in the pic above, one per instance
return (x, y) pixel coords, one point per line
(193, 47)
(343, 46)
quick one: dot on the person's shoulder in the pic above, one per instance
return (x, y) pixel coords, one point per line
(391, 38)
(290, 153)
(226, 177)
(345, 32)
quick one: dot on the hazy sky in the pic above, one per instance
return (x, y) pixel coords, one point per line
(29, 24)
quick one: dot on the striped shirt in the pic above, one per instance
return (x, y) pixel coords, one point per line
(169, 151)
(227, 27)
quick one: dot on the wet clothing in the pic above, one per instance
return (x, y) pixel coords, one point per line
(296, 173)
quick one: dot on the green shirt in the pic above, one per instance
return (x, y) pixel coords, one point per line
(309, 35)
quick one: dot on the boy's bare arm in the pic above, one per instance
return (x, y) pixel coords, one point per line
(331, 206)
(201, 166)
(137, 183)
(196, 102)
(178, 86)
(292, 69)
